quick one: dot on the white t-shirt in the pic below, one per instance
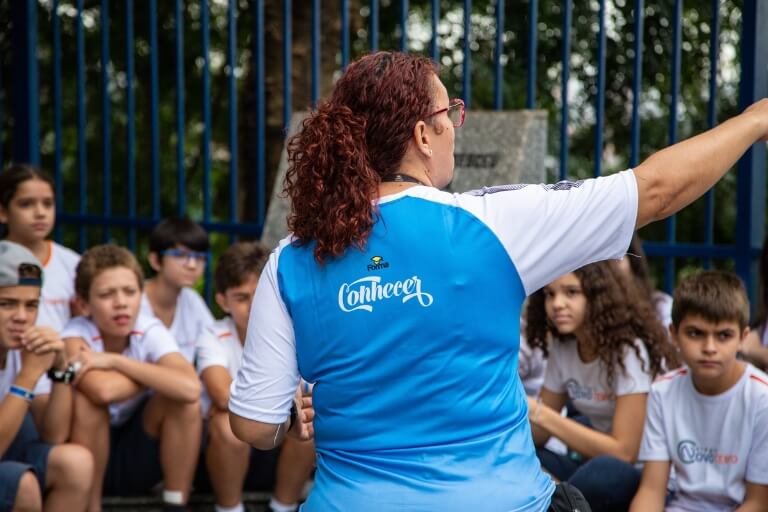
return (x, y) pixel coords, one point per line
(191, 317)
(12, 369)
(219, 345)
(149, 342)
(586, 384)
(531, 367)
(58, 286)
(714, 443)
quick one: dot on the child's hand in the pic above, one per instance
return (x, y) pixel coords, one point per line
(35, 365)
(304, 429)
(90, 360)
(42, 340)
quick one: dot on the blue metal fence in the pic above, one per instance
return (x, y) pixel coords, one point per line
(26, 114)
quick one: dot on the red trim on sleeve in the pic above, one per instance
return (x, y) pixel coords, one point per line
(758, 379)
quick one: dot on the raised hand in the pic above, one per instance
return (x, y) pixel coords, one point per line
(42, 340)
(90, 360)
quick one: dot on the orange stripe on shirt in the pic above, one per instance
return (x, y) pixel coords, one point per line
(758, 379)
(225, 335)
(50, 254)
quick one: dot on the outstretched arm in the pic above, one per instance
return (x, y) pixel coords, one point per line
(653, 487)
(676, 176)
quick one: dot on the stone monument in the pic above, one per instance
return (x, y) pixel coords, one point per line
(492, 148)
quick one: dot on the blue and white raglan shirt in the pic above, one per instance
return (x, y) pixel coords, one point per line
(413, 343)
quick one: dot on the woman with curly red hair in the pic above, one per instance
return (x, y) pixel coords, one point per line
(604, 349)
(402, 303)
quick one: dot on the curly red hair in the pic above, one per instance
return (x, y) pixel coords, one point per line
(337, 160)
(614, 320)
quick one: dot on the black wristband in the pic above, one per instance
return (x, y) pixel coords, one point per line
(292, 417)
(64, 376)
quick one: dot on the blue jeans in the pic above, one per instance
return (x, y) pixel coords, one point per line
(607, 483)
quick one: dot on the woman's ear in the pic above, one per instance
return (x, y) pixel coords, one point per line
(221, 300)
(421, 139)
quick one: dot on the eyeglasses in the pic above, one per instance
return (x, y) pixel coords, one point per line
(455, 111)
(183, 254)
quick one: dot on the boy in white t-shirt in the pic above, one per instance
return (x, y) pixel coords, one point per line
(178, 252)
(137, 403)
(230, 463)
(710, 420)
(33, 472)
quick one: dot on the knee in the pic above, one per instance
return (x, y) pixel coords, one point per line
(28, 498)
(70, 466)
(607, 482)
(220, 435)
(88, 413)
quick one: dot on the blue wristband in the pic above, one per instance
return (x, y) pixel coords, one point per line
(22, 393)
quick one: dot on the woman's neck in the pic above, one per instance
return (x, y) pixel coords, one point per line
(40, 248)
(586, 349)
(115, 344)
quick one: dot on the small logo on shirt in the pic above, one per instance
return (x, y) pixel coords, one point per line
(578, 392)
(361, 294)
(690, 453)
(377, 263)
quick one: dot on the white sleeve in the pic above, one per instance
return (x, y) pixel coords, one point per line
(757, 461)
(43, 385)
(76, 328)
(654, 443)
(550, 230)
(266, 382)
(210, 351)
(159, 342)
(634, 379)
(553, 375)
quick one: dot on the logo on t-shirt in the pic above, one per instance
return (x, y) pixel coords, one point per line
(578, 392)
(377, 263)
(361, 294)
(690, 453)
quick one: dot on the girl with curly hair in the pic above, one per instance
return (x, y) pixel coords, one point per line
(604, 348)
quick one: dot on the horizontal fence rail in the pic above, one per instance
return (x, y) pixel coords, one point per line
(208, 36)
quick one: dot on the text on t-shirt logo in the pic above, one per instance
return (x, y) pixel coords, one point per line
(377, 263)
(689, 453)
(578, 392)
(362, 293)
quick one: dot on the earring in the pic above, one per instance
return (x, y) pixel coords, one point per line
(430, 152)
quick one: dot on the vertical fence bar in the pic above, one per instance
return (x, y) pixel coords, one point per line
(315, 94)
(434, 51)
(466, 63)
(374, 26)
(714, 53)
(154, 111)
(82, 162)
(287, 71)
(637, 81)
(497, 81)
(344, 33)
(57, 149)
(533, 38)
(232, 88)
(206, 100)
(566, 74)
(130, 128)
(677, 20)
(403, 25)
(106, 122)
(26, 103)
(181, 178)
(206, 93)
(261, 116)
(600, 107)
(750, 188)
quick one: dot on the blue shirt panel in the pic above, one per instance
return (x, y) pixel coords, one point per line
(413, 346)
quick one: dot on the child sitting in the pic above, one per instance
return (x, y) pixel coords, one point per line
(178, 252)
(137, 403)
(708, 421)
(604, 350)
(33, 473)
(231, 464)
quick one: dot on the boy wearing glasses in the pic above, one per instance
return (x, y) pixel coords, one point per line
(178, 253)
(35, 398)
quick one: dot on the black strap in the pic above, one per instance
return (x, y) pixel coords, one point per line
(401, 178)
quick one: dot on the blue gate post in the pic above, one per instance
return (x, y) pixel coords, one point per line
(750, 191)
(26, 110)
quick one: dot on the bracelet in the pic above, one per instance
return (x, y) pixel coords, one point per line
(292, 417)
(65, 376)
(535, 418)
(22, 393)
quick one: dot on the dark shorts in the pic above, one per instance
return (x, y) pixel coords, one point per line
(262, 468)
(10, 476)
(134, 458)
(27, 448)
